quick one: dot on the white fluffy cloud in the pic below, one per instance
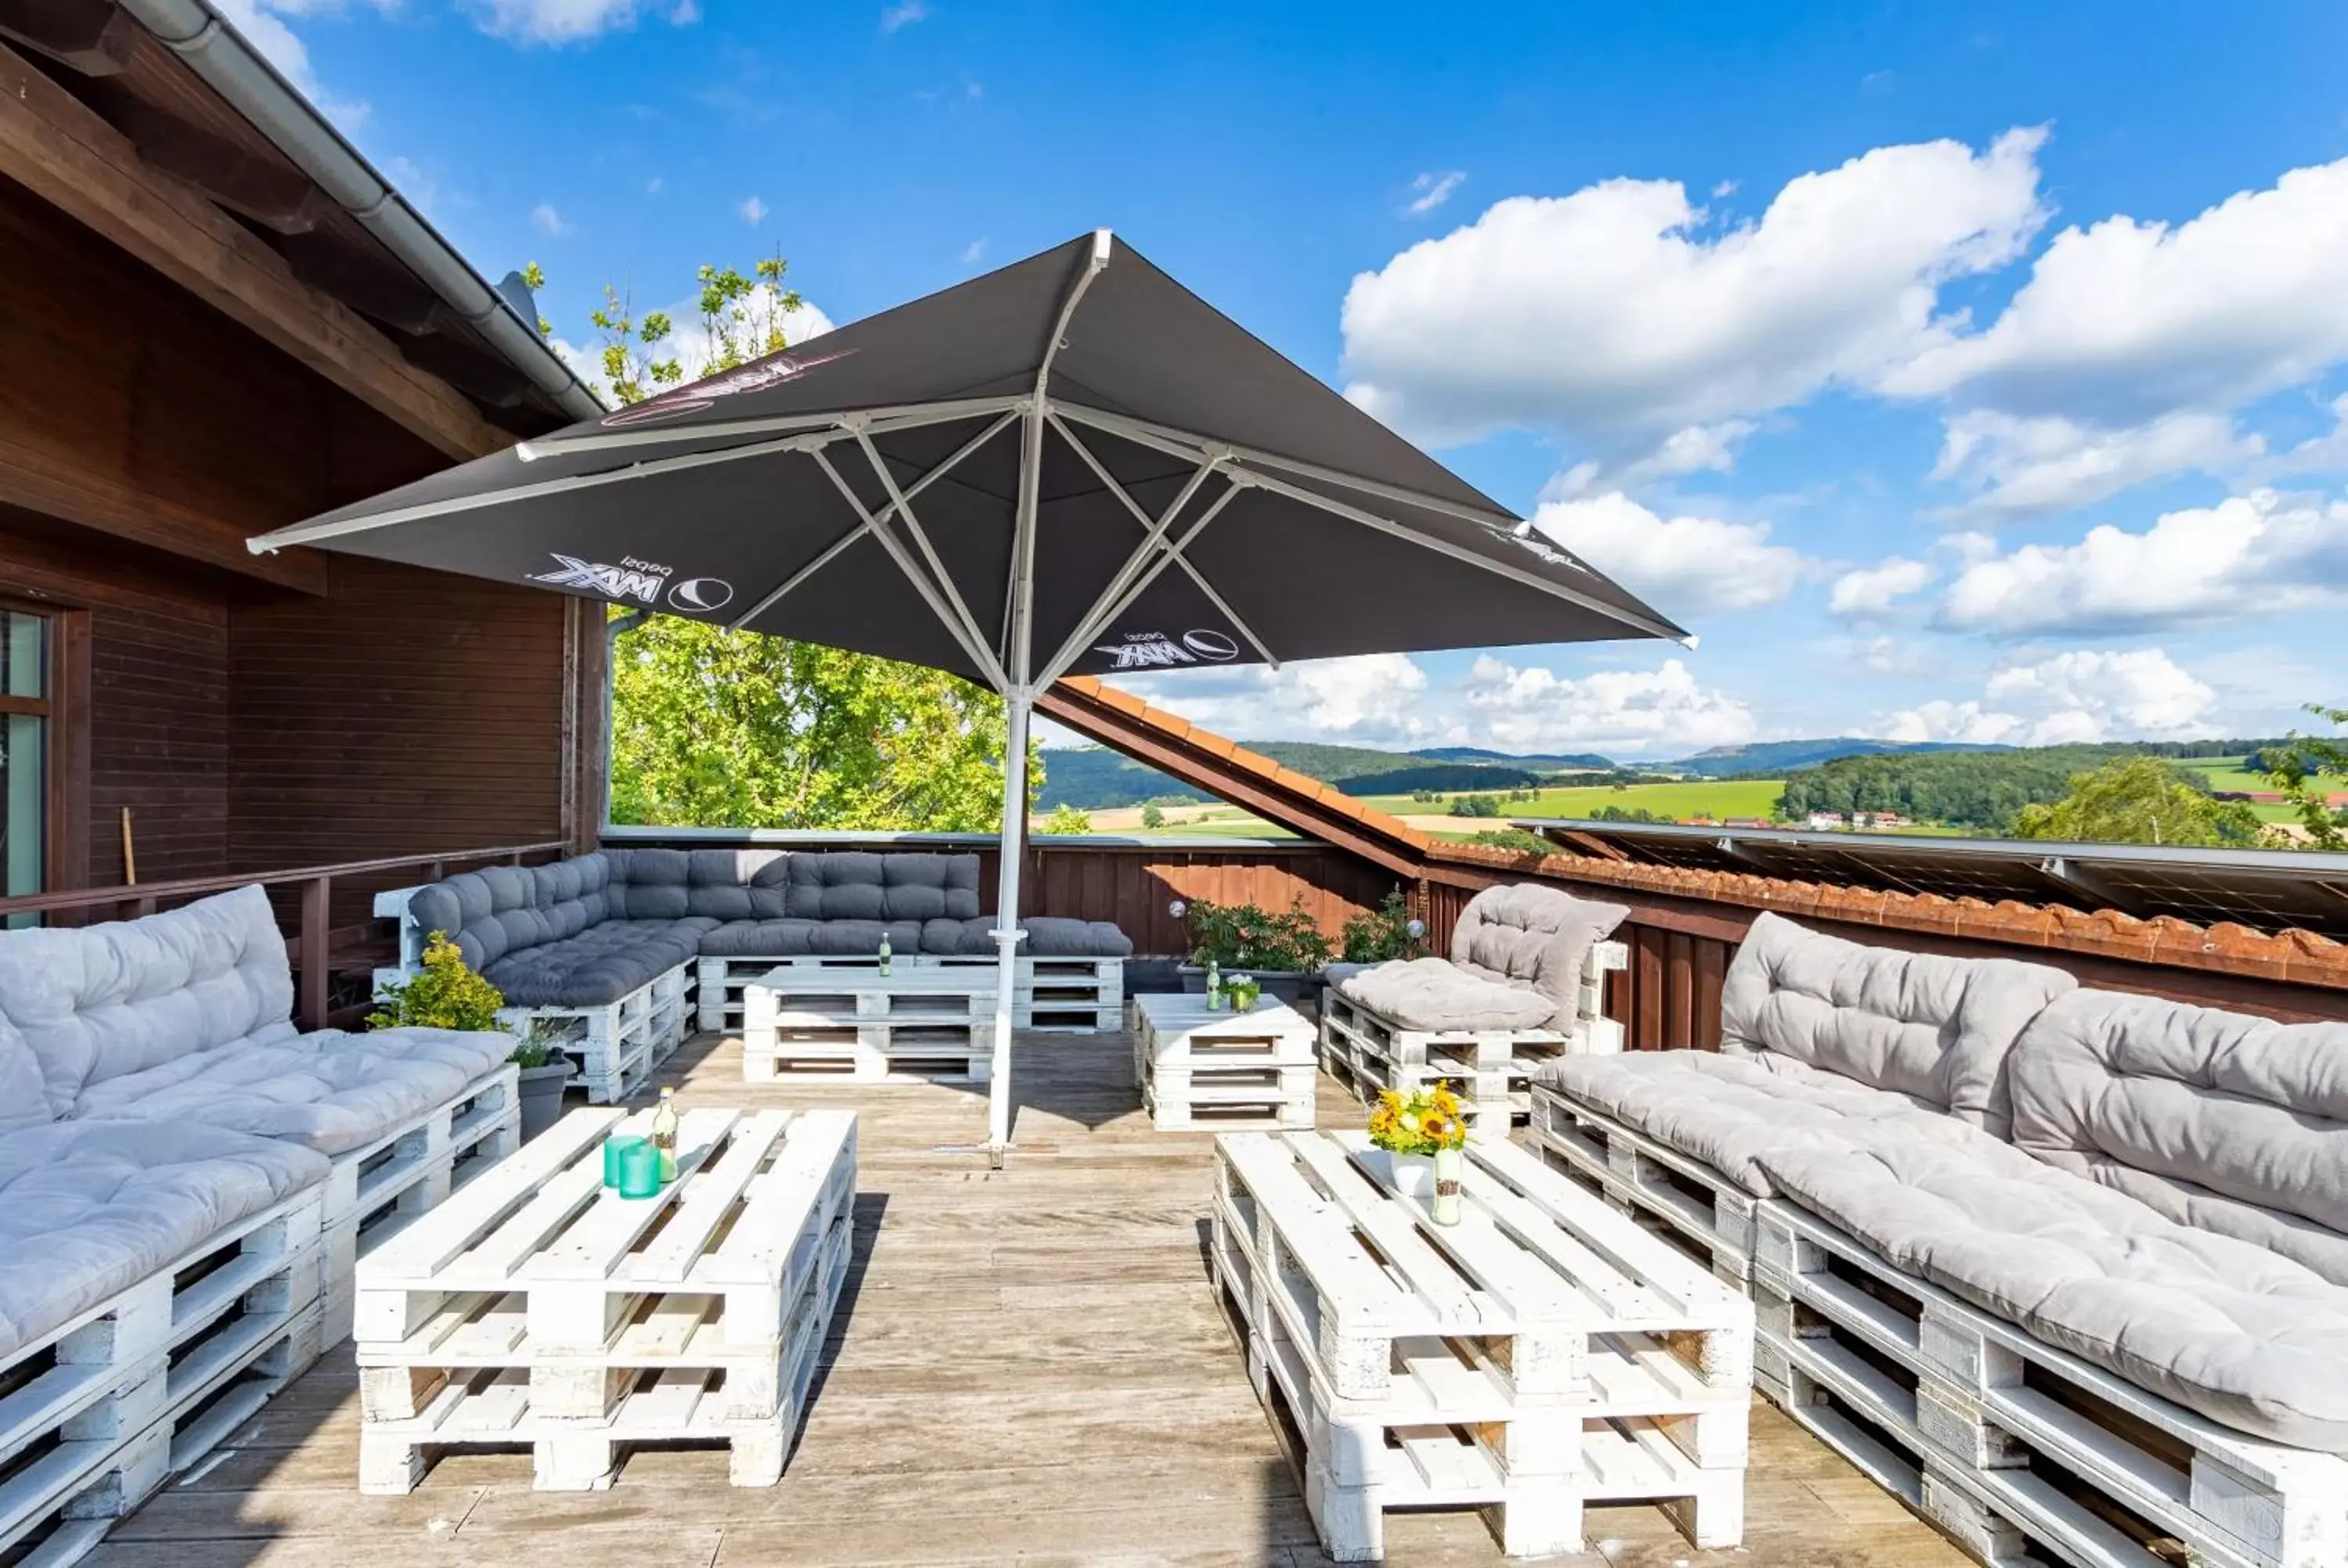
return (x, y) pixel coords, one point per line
(2048, 463)
(1871, 593)
(1684, 567)
(550, 223)
(2131, 347)
(1373, 699)
(2076, 697)
(573, 21)
(1613, 315)
(2263, 554)
(1659, 711)
(1429, 191)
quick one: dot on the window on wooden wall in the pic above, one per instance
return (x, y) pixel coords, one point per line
(27, 717)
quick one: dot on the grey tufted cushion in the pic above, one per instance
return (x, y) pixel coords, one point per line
(1728, 1111)
(2227, 1122)
(89, 1208)
(1051, 936)
(1535, 937)
(759, 939)
(1430, 993)
(1917, 1023)
(598, 965)
(98, 1002)
(2250, 1340)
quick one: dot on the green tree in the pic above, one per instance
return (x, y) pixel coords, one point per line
(2140, 800)
(1152, 818)
(1067, 818)
(2299, 769)
(717, 728)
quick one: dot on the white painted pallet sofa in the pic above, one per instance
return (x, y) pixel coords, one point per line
(2065, 1269)
(185, 1183)
(628, 949)
(1525, 983)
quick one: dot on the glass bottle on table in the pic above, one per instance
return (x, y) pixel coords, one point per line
(1214, 987)
(665, 1134)
(884, 955)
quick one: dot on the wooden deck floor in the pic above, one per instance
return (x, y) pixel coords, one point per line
(1029, 1365)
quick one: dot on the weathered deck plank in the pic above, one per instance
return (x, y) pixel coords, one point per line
(1028, 1363)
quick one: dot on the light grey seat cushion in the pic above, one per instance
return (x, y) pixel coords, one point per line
(24, 1096)
(1535, 937)
(99, 1003)
(330, 1092)
(1920, 1024)
(89, 1208)
(1728, 1111)
(2227, 1122)
(1057, 937)
(1434, 994)
(2250, 1340)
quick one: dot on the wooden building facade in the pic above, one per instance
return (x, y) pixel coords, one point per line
(198, 342)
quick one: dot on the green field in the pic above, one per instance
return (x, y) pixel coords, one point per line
(1718, 799)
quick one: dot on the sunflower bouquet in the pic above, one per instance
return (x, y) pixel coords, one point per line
(1419, 1123)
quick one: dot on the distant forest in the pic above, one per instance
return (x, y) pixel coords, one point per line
(1984, 790)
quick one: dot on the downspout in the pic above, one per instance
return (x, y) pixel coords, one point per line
(215, 52)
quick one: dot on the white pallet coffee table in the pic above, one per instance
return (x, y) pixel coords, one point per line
(1542, 1354)
(537, 1308)
(920, 1023)
(1222, 1069)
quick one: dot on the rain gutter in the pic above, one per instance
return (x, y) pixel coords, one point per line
(215, 51)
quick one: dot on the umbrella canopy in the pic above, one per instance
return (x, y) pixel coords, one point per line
(1072, 465)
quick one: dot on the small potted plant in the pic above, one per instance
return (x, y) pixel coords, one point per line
(1425, 1138)
(446, 994)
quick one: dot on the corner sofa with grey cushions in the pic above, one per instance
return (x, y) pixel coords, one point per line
(175, 1154)
(2020, 1234)
(592, 931)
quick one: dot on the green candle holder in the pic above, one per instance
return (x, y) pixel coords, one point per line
(615, 1148)
(640, 1171)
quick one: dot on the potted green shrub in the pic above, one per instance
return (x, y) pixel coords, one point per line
(446, 994)
(1280, 952)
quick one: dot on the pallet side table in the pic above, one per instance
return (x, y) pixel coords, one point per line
(925, 1023)
(538, 1307)
(1541, 1354)
(1199, 1070)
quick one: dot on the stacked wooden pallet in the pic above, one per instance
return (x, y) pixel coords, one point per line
(925, 1023)
(1077, 996)
(538, 1308)
(97, 1415)
(1541, 1354)
(2009, 1444)
(1489, 1070)
(375, 1191)
(1199, 1070)
(615, 1047)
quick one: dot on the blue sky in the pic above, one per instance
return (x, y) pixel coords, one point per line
(1975, 373)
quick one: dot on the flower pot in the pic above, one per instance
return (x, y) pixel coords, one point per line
(1414, 1175)
(1279, 985)
(541, 1097)
(1450, 1165)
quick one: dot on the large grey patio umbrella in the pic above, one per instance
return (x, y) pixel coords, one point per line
(1072, 465)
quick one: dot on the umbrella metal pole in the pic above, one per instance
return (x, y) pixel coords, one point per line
(1015, 705)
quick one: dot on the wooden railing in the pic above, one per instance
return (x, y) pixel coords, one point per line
(310, 944)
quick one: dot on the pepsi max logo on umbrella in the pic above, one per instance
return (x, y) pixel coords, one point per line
(701, 593)
(1156, 649)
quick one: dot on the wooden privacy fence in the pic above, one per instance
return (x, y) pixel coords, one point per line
(303, 896)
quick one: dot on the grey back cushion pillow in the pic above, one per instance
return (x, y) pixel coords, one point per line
(1535, 937)
(1921, 1024)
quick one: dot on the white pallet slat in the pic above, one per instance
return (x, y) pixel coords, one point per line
(1049, 994)
(540, 1307)
(615, 1047)
(2009, 1432)
(1541, 1353)
(1489, 1070)
(1713, 1216)
(99, 1412)
(1220, 1071)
